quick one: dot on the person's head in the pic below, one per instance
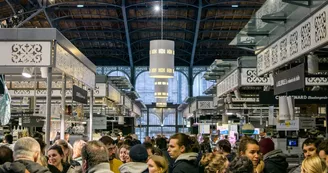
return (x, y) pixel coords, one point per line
(149, 148)
(124, 153)
(310, 147)
(9, 139)
(128, 142)
(27, 148)
(128, 137)
(206, 139)
(66, 136)
(179, 144)
(214, 163)
(77, 148)
(250, 148)
(93, 153)
(147, 139)
(241, 165)
(157, 164)
(224, 146)
(6, 155)
(55, 155)
(42, 144)
(161, 143)
(109, 143)
(266, 145)
(68, 153)
(138, 153)
(38, 135)
(313, 164)
(323, 151)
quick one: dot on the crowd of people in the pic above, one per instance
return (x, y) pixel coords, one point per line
(180, 153)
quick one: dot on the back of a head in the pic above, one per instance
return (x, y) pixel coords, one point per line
(94, 152)
(9, 138)
(25, 148)
(161, 162)
(314, 165)
(224, 145)
(183, 140)
(41, 143)
(161, 143)
(138, 153)
(214, 163)
(106, 140)
(77, 148)
(241, 165)
(266, 145)
(6, 155)
(324, 146)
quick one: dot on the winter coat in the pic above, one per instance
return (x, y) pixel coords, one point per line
(231, 156)
(67, 168)
(275, 162)
(296, 170)
(134, 167)
(100, 168)
(186, 163)
(23, 166)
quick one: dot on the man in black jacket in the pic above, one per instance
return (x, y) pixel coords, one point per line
(180, 149)
(26, 154)
(274, 160)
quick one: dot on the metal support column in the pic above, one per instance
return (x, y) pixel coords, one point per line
(147, 132)
(91, 115)
(63, 104)
(132, 77)
(48, 112)
(176, 120)
(225, 119)
(327, 121)
(190, 82)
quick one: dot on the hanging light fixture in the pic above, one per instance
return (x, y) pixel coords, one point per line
(161, 59)
(161, 55)
(161, 88)
(28, 72)
(161, 102)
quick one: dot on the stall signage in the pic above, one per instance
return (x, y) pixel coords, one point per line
(32, 121)
(289, 80)
(80, 95)
(300, 97)
(99, 123)
(289, 125)
(307, 122)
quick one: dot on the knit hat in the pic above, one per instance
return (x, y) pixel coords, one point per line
(266, 145)
(138, 153)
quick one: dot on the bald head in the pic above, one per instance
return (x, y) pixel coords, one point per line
(27, 148)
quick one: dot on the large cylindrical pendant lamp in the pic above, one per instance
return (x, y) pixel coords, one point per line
(161, 88)
(161, 55)
(161, 102)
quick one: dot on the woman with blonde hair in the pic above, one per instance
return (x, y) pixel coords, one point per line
(314, 165)
(214, 163)
(157, 164)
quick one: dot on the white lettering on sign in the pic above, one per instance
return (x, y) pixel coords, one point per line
(80, 95)
(288, 81)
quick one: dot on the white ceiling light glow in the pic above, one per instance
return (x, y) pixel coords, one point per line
(28, 72)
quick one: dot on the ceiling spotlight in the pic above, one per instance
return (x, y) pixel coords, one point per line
(157, 8)
(28, 71)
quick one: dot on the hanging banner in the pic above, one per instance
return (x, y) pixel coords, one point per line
(300, 97)
(289, 125)
(32, 121)
(80, 95)
(289, 80)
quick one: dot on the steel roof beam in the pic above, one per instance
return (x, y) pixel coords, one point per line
(222, 30)
(127, 34)
(96, 40)
(194, 45)
(79, 16)
(166, 30)
(69, 4)
(153, 38)
(144, 4)
(103, 31)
